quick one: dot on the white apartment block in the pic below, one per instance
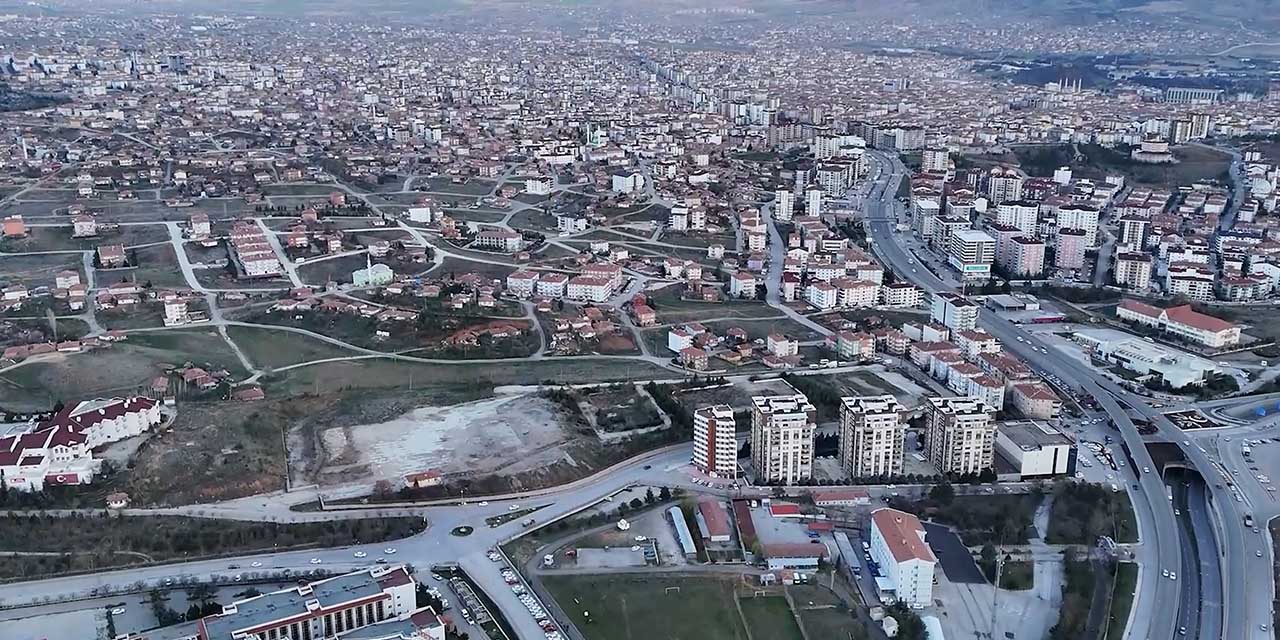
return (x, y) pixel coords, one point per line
(934, 160)
(589, 288)
(715, 441)
(784, 205)
(1004, 188)
(1133, 270)
(871, 436)
(960, 435)
(1083, 217)
(955, 312)
(972, 252)
(822, 295)
(899, 547)
(782, 429)
(901, 294)
(522, 284)
(552, 285)
(1019, 213)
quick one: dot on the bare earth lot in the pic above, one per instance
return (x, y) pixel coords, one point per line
(507, 435)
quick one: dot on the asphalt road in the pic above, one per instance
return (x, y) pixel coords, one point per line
(1158, 601)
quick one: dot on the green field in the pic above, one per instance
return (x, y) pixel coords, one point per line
(823, 614)
(770, 617)
(1122, 599)
(638, 608)
(119, 369)
(267, 348)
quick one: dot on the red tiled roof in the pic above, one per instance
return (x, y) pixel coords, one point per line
(715, 517)
(795, 550)
(1190, 317)
(901, 531)
(782, 509)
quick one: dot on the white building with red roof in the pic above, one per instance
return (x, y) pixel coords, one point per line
(59, 451)
(898, 545)
(1183, 322)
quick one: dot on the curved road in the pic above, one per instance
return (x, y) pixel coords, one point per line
(1157, 597)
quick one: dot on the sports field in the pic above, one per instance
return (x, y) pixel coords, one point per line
(616, 607)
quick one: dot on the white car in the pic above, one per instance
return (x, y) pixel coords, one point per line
(359, 554)
(484, 503)
(514, 507)
(389, 550)
(1173, 576)
(1164, 573)
(315, 561)
(117, 611)
(255, 563)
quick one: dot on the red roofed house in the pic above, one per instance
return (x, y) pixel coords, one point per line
(906, 561)
(1183, 322)
(841, 498)
(421, 479)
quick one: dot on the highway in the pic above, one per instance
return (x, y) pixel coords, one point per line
(436, 545)
(1157, 606)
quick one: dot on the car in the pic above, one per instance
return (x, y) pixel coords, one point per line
(437, 577)
(316, 561)
(381, 561)
(1177, 512)
(255, 563)
(514, 507)
(359, 554)
(1182, 631)
(1173, 575)
(1257, 553)
(1164, 573)
(648, 467)
(484, 503)
(117, 611)
(389, 550)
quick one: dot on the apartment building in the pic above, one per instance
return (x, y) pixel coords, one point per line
(1133, 270)
(1021, 214)
(899, 547)
(871, 436)
(782, 430)
(954, 311)
(959, 435)
(715, 441)
(971, 253)
(1069, 249)
(1024, 258)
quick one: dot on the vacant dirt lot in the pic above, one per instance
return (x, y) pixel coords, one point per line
(506, 435)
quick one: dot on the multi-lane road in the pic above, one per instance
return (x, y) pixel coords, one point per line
(1158, 610)
(436, 545)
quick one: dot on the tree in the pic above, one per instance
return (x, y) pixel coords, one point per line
(649, 498)
(636, 503)
(664, 494)
(942, 493)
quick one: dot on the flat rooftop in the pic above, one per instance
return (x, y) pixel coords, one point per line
(1032, 435)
